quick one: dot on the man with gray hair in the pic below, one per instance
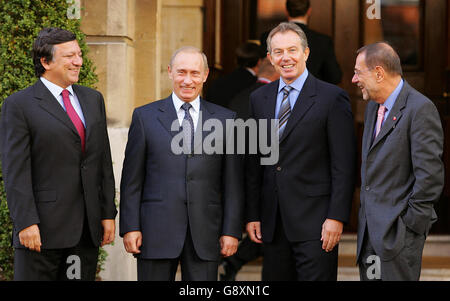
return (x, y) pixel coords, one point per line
(402, 174)
(297, 207)
(179, 208)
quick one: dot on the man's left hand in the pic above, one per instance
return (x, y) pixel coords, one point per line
(228, 245)
(109, 230)
(331, 234)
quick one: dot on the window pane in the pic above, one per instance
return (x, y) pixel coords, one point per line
(400, 21)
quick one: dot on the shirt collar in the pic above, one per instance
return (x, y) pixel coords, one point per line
(390, 101)
(54, 88)
(177, 102)
(297, 84)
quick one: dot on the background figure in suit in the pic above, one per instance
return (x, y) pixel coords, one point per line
(223, 89)
(402, 174)
(247, 249)
(322, 61)
(57, 166)
(298, 206)
(185, 208)
(240, 102)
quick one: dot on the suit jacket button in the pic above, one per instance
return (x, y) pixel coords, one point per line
(279, 168)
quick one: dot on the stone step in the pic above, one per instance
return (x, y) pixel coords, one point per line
(253, 273)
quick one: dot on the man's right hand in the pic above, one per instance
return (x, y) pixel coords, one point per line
(132, 242)
(30, 237)
(254, 231)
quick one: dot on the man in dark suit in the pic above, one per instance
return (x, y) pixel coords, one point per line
(402, 174)
(180, 208)
(223, 89)
(298, 206)
(57, 167)
(322, 61)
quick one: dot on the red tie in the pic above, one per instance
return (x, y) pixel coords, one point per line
(74, 117)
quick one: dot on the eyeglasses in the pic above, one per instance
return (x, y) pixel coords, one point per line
(360, 72)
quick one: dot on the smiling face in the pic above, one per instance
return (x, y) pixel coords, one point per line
(365, 78)
(288, 56)
(188, 74)
(65, 66)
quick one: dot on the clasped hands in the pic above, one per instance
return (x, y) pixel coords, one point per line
(331, 233)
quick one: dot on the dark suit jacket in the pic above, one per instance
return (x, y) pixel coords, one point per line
(163, 193)
(402, 173)
(322, 61)
(241, 101)
(223, 89)
(48, 180)
(314, 177)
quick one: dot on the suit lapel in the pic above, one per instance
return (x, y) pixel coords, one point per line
(206, 113)
(168, 115)
(86, 108)
(304, 102)
(394, 115)
(369, 125)
(269, 105)
(48, 102)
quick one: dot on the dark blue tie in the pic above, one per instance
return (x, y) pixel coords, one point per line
(188, 129)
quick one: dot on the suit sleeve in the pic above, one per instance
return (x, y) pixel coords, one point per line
(233, 190)
(342, 149)
(133, 174)
(108, 191)
(16, 165)
(426, 151)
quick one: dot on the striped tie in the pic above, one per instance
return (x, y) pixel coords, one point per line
(188, 129)
(285, 111)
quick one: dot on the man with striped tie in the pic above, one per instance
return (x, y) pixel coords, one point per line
(297, 207)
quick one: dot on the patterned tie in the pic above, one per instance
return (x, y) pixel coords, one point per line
(380, 119)
(74, 117)
(285, 111)
(188, 129)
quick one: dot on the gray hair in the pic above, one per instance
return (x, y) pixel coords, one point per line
(189, 49)
(284, 27)
(382, 54)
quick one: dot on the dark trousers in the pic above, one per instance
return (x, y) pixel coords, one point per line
(247, 251)
(406, 266)
(301, 261)
(193, 268)
(76, 263)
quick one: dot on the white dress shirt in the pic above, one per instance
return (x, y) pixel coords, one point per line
(56, 92)
(194, 110)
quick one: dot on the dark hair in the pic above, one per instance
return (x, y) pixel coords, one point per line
(248, 54)
(43, 46)
(297, 8)
(382, 54)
